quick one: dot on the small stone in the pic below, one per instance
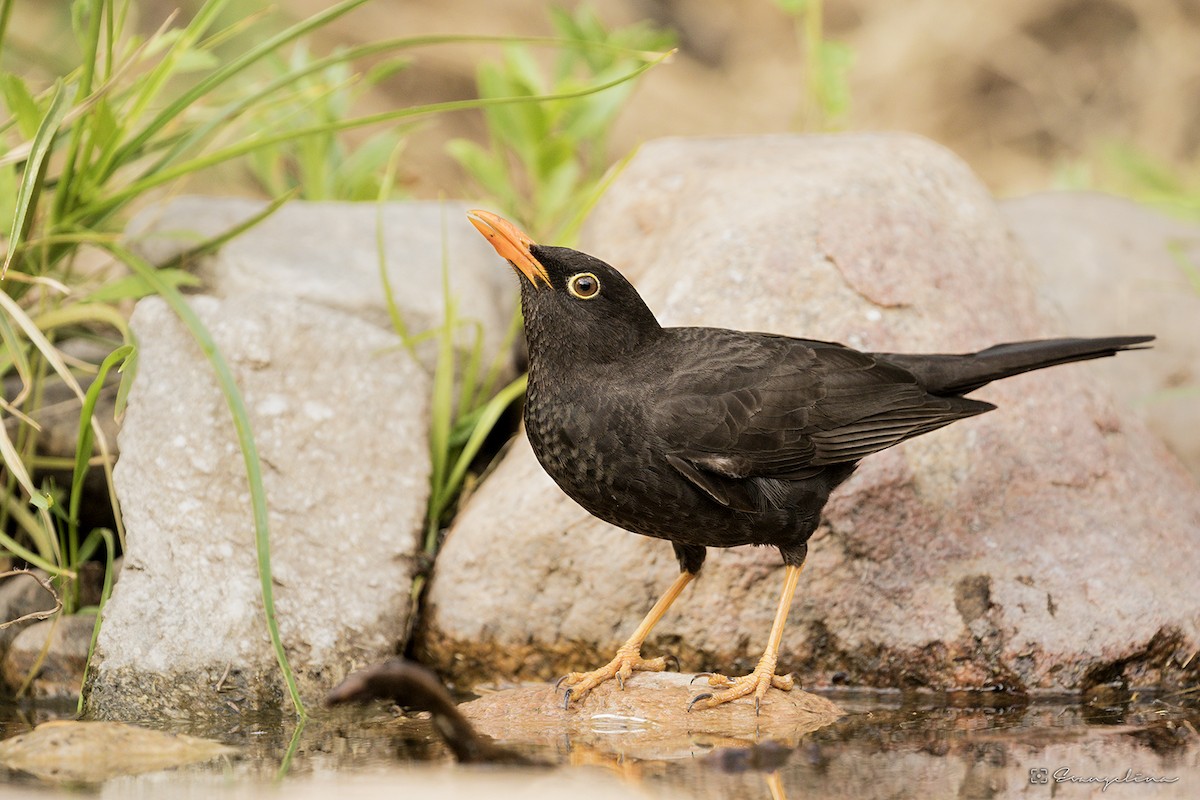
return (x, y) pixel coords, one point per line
(59, 674)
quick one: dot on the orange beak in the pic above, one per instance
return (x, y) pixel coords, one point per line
(511, 243)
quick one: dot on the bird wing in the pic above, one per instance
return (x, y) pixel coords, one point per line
(744, 412)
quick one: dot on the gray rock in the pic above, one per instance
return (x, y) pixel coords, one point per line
(338, 411)
(1114, 266)
(325, 253)
(1045, 545)
(647, 719)
(57, 669)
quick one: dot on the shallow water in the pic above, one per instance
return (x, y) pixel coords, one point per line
(971, 746)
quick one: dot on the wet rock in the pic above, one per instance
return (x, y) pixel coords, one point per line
(338, 411)
(648, 719)
(1044, 545)
(414, 780)
(57, 669)
(325, 253)
(90, 752)
(1113, 267)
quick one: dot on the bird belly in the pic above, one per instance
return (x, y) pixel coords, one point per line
(629, 484)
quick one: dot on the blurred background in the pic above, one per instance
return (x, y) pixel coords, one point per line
(1032, 94)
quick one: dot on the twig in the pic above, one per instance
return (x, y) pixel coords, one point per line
(45, 584)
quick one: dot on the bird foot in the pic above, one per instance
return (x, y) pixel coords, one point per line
(756, 683)
(627, 661)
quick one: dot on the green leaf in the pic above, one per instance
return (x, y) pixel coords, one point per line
(836, 61)
(792, 7)
(20, 104)
(490, 172)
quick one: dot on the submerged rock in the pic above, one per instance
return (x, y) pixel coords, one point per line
(90, 752)
(338, 412)
(1045, 545)
(648, 718)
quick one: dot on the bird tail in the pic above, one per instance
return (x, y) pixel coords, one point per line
(960, 374)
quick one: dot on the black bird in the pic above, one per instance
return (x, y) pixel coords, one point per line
(412, 686)
(710, 437)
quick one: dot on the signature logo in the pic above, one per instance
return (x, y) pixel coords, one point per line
(1043, 775)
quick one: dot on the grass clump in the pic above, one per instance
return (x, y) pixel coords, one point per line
(127, 118)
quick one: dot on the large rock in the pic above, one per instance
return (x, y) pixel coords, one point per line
(1114, 266)
(327, 253)
(338, 412)
(1044, 545)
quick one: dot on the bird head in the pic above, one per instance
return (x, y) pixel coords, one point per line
(574, 304)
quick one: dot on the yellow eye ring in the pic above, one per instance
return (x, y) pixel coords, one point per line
(585, 286)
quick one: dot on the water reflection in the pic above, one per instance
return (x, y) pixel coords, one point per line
(972, 746)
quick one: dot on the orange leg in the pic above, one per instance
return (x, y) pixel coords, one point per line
(763, 677)
(629, 655)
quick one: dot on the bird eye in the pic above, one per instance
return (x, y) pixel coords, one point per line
(585, 286)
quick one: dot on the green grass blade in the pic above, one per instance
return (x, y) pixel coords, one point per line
(6, 7)
(7, 543)
(35, 175)
(14, 355)
(83, 441)
(87, 67)
(487, 420)
(105, 593)
(469, 383)
(441, 404)
(389, 296)
(234, 67)
(504, 354)
(14, 463)
(241, 422)
(148, 181)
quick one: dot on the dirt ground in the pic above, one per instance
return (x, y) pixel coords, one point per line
(1027, 91)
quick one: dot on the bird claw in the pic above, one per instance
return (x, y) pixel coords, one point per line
(708, 675)
(757, 682)
(670, 659)
(624, 664)
(567, 699)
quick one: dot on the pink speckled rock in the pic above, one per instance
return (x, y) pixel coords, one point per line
(1053, 543)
